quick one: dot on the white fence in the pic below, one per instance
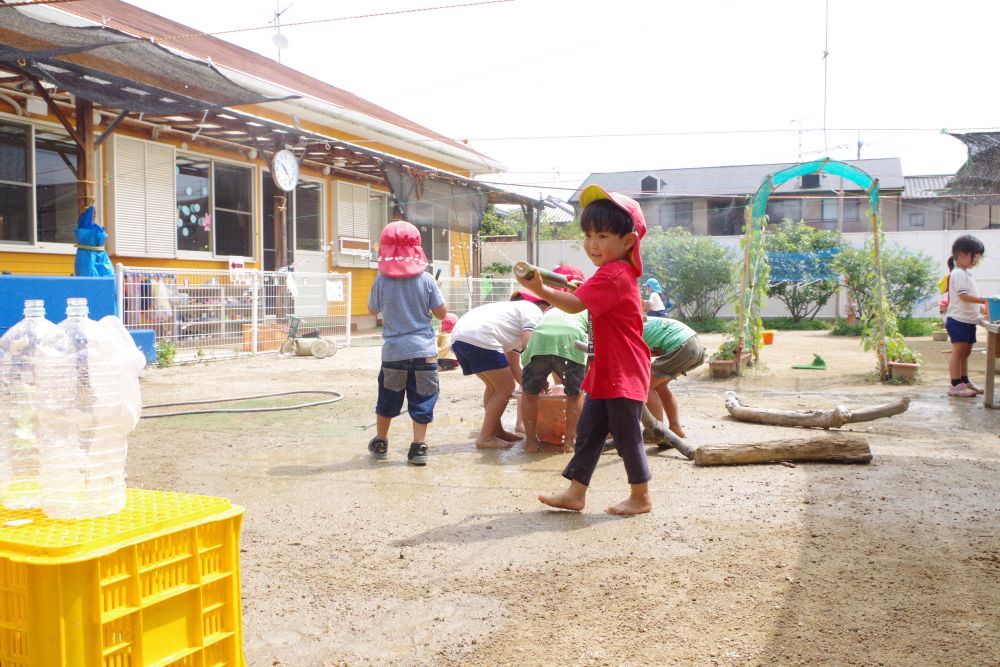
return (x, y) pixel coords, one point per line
(208, 314)
(464, 294)
(936, 244)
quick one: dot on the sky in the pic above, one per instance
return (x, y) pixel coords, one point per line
(558, 89)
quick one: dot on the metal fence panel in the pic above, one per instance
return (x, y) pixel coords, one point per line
(464, 294)
(213, 314)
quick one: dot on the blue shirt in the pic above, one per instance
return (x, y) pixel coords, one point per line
(405, 304)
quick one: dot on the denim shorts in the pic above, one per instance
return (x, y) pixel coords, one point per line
(413, 379)
(960, 332)
(535, 374)
(476, 359)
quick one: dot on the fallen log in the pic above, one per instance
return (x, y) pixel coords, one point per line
(815, 418)
(827, 449)
(664, 436)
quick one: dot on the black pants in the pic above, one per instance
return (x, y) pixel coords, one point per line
(600, 416)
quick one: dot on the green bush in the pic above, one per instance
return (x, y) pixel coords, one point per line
(497, 269)
(165, 352)
(696, 273)
(790, 324)
(804, 295)
(710, 325)
(842, 328)
(910, 277)
(913, 326)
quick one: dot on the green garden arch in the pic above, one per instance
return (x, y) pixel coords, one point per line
(753, 286)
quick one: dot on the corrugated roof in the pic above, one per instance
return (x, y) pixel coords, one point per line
(925, 187)
(737, 179)
(135, 21)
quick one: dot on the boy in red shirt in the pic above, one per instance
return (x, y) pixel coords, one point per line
(618, 378)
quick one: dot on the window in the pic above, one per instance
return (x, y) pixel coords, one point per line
(676, 214)
(378, 218)
(15, 184)
(433, 223)
(214, 207)
(725, 218)
(145, 198)
(309, 216)
(831, 210)
(233, 210)
(784, 209)
(916, 220)
(38, 185)
(442, 244)
(650, 184)
(56, 207)
(353, 208)
(194, 220)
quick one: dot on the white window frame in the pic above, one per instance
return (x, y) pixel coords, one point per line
(48, 247)
(322, 214)
(355, 229)
(123, 193)
(204, 255)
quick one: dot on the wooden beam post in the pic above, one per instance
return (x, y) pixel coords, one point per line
(86, 167)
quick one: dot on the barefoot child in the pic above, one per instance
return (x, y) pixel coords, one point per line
(677, 350)
(487, 341)
(553, 349)
(964, 308)
(406, 296)
(618, 379)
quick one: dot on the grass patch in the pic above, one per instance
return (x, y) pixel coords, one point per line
(842, 328)
(788, 324)
(711, 325)
(917, 326)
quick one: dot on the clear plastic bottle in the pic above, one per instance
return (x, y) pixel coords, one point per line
(34, 362)
(83, 475)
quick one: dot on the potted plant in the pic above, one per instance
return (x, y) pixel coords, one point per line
(904, 363)
(723, 362)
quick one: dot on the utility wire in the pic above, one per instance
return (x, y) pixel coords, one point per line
(270, 26)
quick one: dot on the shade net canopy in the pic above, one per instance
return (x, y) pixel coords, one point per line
(431, 202)
(115, 69)
(979, 177)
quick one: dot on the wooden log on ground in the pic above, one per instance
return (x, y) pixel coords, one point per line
(664, 436)
(879, 411)
(828, 449)
(815, 418)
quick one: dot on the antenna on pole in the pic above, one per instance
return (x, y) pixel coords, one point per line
(280, 41)
(826, 54)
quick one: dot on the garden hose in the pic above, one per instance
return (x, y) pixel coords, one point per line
(337, 396)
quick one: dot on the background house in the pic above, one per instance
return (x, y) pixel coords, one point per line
(170, 134)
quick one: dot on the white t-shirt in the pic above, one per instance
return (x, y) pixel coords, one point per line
(961, 282)
(655, 302)
(497, 326)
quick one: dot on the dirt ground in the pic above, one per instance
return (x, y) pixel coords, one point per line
(347, 561)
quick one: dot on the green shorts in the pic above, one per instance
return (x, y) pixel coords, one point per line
(690, 355)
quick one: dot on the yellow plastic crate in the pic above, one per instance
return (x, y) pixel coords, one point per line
(156, 584)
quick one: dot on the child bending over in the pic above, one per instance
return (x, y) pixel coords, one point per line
(678, 350)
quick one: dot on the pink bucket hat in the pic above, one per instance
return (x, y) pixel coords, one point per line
(449, 322)
(399, 251)
(594, 192)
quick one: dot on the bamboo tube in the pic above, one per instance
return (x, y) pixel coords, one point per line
(527, 271)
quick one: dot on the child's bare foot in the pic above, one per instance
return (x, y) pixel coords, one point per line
(568, 448)
(678, 431)
(631, 506)
(493, 443)
(507, 435)
(566, 500)
(532, 445)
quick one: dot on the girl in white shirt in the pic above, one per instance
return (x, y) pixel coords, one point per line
(964, 310)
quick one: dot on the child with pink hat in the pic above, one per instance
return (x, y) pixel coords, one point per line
(407, 296)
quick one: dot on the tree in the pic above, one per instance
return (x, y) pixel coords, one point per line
(695, 272)
(801, 275)
(910, 277)
(495, 225)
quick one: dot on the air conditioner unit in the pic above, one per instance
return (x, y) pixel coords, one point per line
(810, 181)
(356, 247)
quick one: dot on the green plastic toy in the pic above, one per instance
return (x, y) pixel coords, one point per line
(818, 364)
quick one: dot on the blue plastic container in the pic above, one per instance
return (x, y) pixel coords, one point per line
(993, 308)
